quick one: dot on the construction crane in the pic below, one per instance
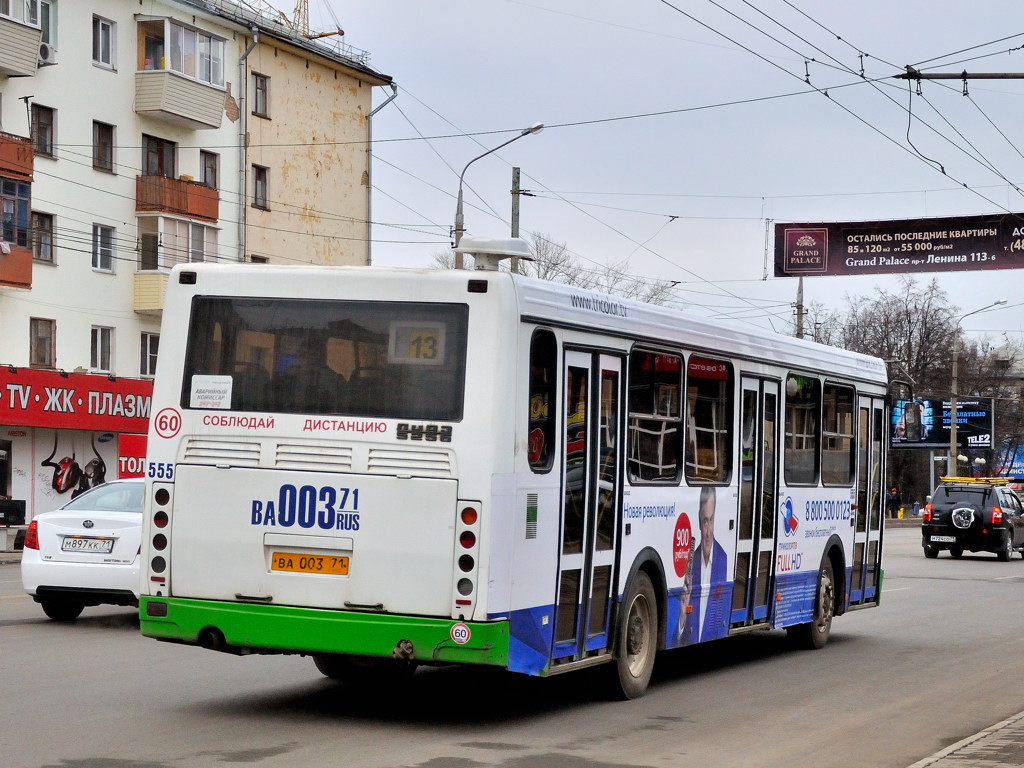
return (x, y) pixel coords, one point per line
(300, 21)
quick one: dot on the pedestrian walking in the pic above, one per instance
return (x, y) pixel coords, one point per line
(893, 502)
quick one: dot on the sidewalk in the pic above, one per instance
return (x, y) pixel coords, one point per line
(1000, 746)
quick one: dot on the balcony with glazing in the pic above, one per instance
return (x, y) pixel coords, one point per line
(19, 43)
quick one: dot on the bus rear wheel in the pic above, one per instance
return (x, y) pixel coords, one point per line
(814, 634)
(361, 669)
(637, 638)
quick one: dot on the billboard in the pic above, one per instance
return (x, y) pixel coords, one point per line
(956, 244)
(921, 423)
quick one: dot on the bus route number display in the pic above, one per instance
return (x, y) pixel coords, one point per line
(416, 343)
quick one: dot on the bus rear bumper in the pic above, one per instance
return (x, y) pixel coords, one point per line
(244, 628)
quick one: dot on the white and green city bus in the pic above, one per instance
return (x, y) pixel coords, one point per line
(382, 468)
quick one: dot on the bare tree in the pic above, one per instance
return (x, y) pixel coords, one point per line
(552, 260)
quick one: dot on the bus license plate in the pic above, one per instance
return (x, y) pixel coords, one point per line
(944, 539)
(83, 544)
(293, 562)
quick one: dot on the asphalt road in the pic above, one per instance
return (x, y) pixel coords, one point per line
(936, 663)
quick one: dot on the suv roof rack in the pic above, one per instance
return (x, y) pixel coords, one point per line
(985, 480)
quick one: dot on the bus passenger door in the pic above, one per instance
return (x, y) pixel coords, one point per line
(867, 550)
(590, 502)
(755, 536)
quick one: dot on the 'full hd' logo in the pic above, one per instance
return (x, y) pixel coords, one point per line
(789, 522)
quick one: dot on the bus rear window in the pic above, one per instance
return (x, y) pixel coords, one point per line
(398, 360)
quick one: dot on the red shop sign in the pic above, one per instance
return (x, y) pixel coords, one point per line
(35, 398)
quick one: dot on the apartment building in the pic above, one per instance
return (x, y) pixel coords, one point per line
(136, 135)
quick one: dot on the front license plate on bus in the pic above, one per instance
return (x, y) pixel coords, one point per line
(944, 539)
(83, 544)
(293, 562)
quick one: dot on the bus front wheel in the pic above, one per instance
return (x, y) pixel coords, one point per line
(637, 637)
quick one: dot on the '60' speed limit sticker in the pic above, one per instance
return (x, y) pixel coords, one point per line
(167, 422)
(460, 634)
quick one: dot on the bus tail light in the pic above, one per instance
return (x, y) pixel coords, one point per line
(32, 536)
(927, 516)
(997, 516)
(467, 557)
(159, 542)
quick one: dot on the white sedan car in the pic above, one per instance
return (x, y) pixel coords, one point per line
(86, 552)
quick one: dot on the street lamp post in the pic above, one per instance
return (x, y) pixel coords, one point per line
(952, 467)
(459, 221)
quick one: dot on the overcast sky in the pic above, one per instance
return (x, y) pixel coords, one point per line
(678, 133)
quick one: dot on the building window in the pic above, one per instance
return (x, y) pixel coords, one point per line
(48, 21)
(15, 204)
(150, 347)
(260, 95)
(158, 157)
(185, 50)
(41, 342)
(42, 237)
(185, 241)
(210, 162)
(44, 122)
(102, 248)
(26, 11)
(103, 42)
(254, 259)
(260, 176)
(101, 344)
(102, 146)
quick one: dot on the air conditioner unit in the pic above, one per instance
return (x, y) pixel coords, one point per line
(47, 54)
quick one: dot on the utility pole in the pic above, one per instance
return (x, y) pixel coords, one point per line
(800, 308)
(516, 194)
(515, 214)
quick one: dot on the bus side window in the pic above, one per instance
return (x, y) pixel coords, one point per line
(803, 437)
(838, 449)
(655, 420)
(709, 407)
(543, 375)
